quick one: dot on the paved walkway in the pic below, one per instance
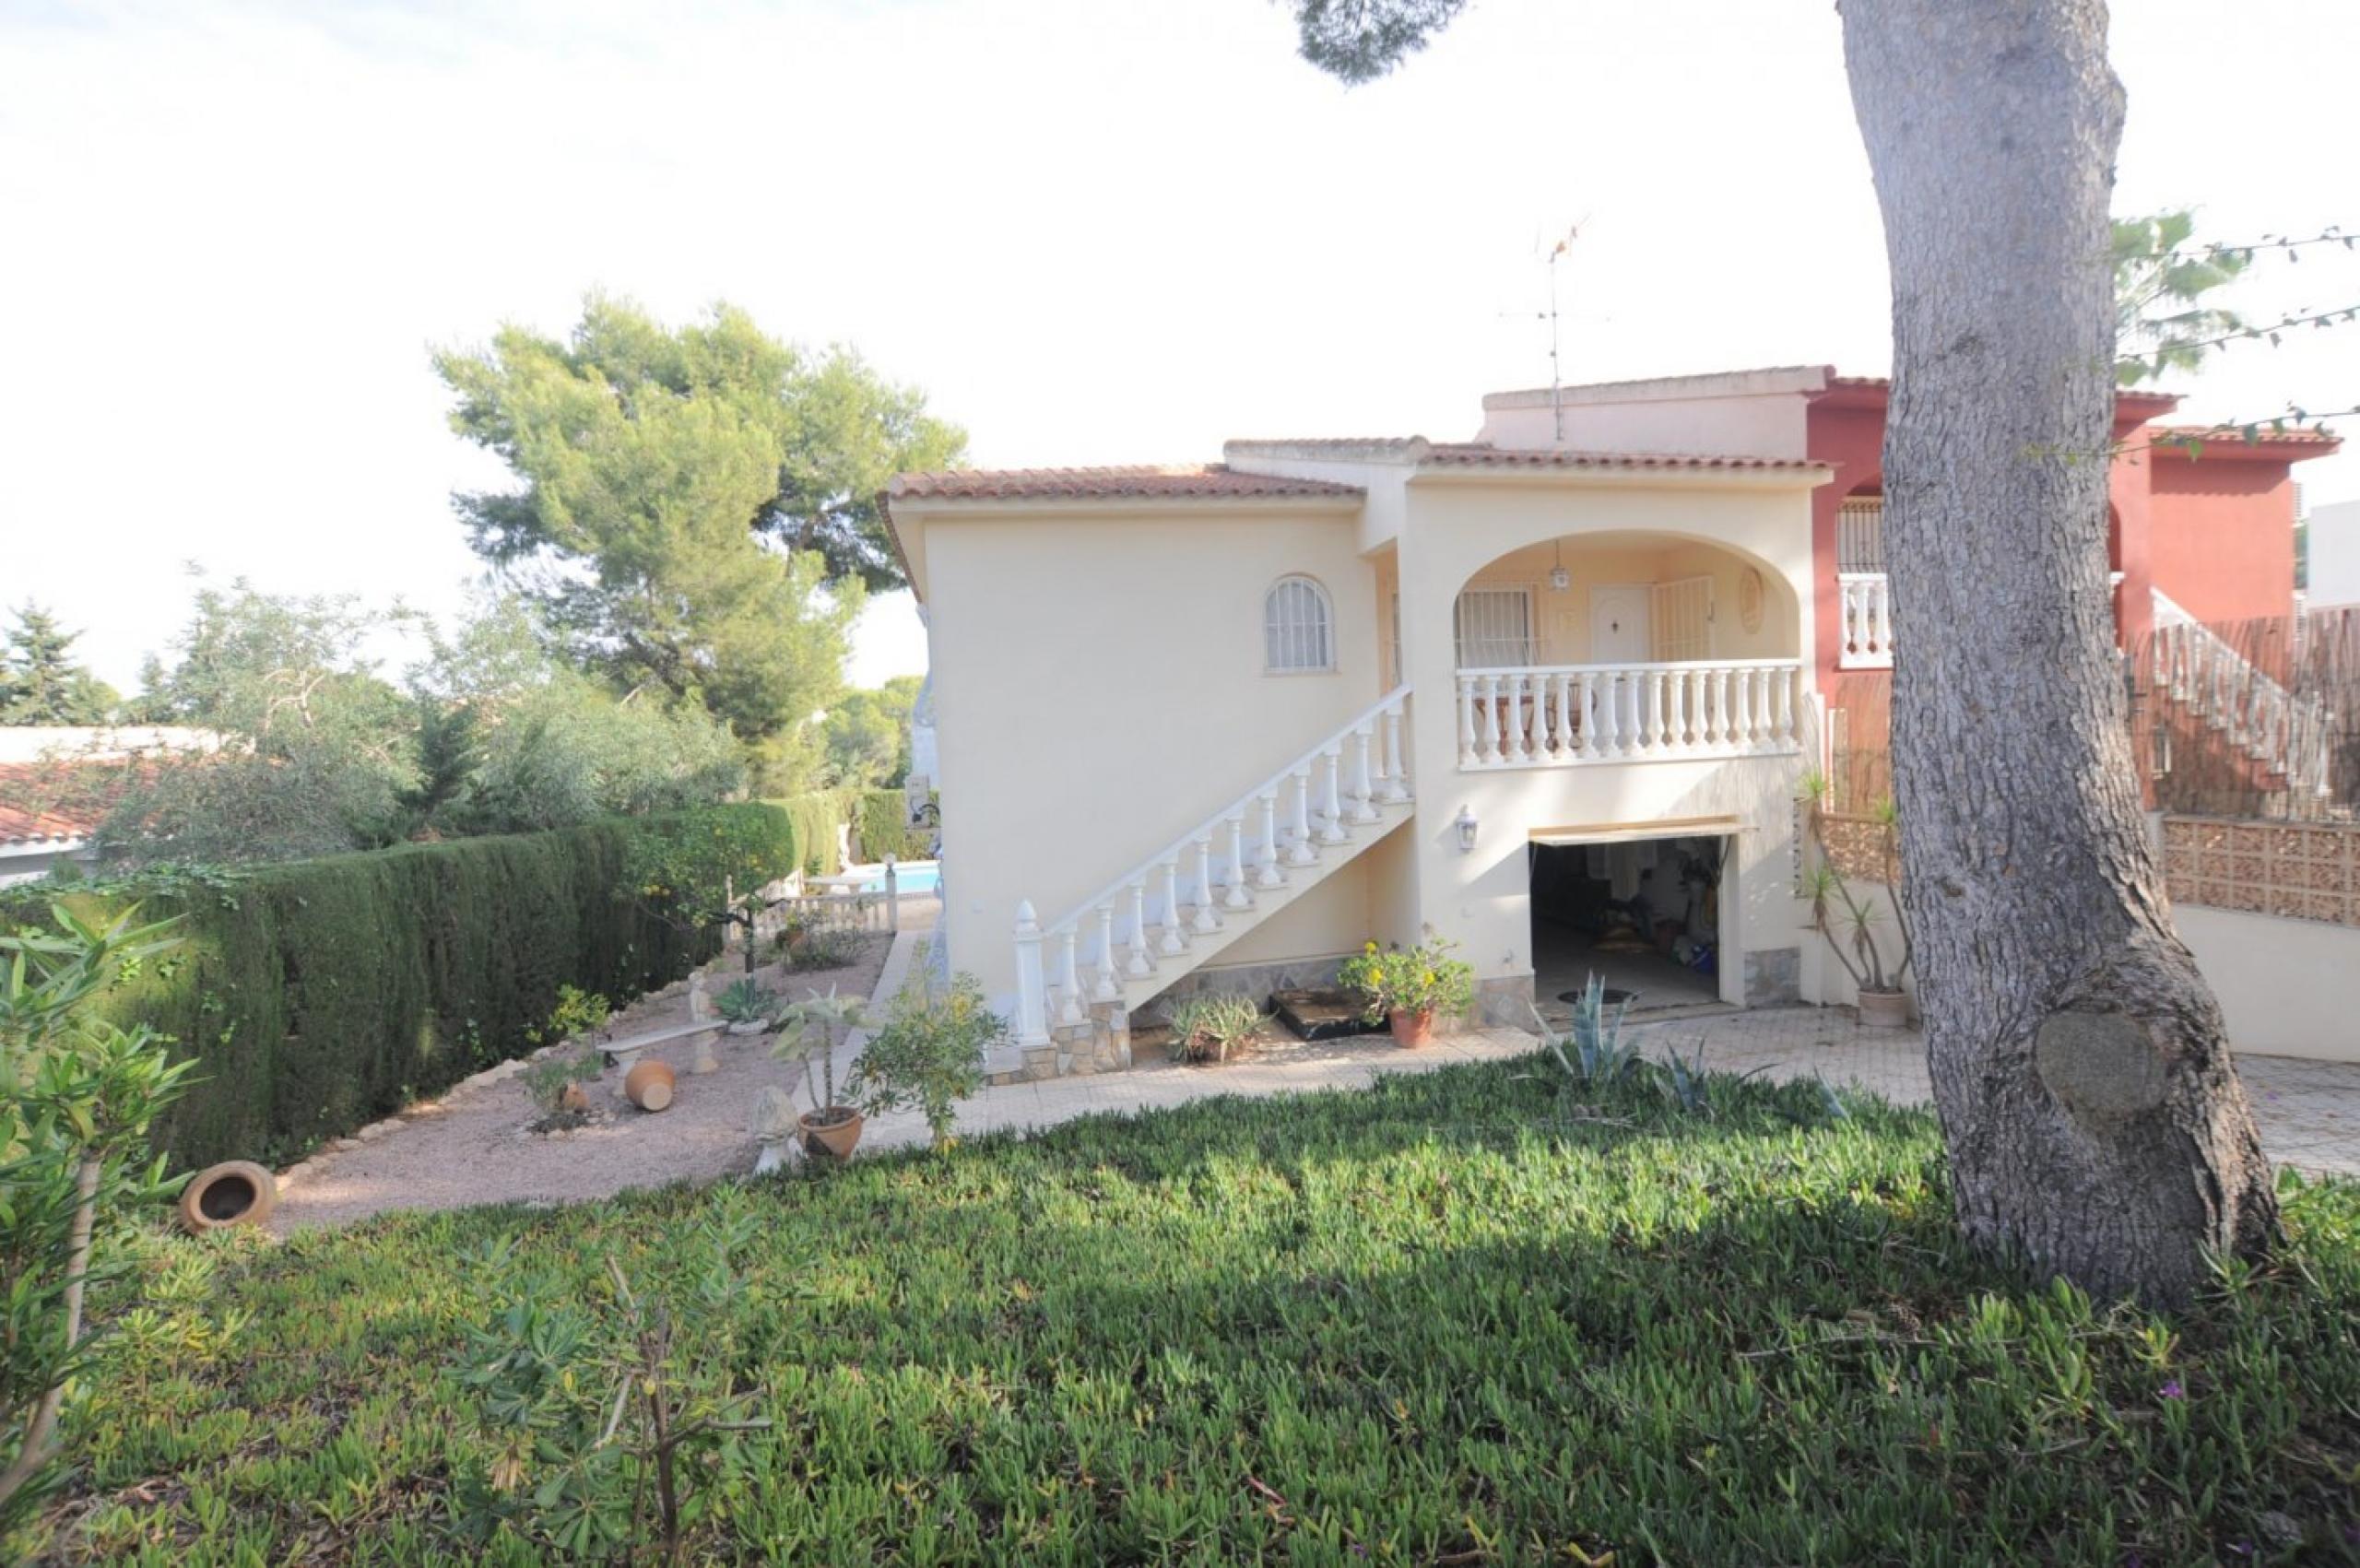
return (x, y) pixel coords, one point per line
(2309, 1112)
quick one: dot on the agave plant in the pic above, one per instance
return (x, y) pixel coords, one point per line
(1593, 1051)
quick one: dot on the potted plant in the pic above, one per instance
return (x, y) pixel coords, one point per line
(1852, 924)
(928, 1054)
(747, 1005)
(1205, 1027)
(1407, 986)
(810, 1030)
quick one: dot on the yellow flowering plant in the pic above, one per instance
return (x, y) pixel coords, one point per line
(1410, 980)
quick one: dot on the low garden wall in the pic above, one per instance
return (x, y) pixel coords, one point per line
(322, 994)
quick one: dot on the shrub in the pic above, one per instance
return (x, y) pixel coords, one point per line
(76, 1095)
(1205, 1027)
(817, 819)
(548, 1079)
(884, 826)
(318, 996)
(929, 1054)
(603, 1421)
(1410, 980)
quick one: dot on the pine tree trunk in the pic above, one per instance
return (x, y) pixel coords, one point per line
(2095, 1125)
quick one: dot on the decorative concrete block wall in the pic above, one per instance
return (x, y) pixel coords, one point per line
(2295, 870)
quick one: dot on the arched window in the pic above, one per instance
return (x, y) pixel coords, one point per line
(1298, 631)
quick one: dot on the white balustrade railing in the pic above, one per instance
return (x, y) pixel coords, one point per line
(1563, 714)
(2205, 674)
(1158, 908)
(1865, 615)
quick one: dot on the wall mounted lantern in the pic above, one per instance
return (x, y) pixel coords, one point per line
(1467, 829)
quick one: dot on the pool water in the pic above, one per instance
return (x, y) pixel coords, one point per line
(917, 877)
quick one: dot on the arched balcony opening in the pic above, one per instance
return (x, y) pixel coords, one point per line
(1619, 647)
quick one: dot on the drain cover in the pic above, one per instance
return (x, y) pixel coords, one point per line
(1615, 997)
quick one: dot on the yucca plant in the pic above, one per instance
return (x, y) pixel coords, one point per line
(1851, 924)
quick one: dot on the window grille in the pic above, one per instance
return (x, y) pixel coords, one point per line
(1493, 626)
(1298, 633)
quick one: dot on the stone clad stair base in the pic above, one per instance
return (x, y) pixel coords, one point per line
(1101, 1040)
(1079, 979)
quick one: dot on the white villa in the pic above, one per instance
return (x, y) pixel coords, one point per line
(1218, 725)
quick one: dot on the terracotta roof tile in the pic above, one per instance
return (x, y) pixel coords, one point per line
(2233, 435)
(24, 821)
(1211, 481)
(1478, 454)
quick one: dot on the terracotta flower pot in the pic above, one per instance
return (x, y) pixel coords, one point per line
(1884, 1009)
(236, 1193)
(1412, 1029)
(649, 1085)
(833, 1138)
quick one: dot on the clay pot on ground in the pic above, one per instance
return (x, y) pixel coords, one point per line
(1884, 1009)
(833, 1133)
(236, 1193)
(649, 1085)
(1411, 1029)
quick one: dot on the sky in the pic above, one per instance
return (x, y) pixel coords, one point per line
(1093, 232)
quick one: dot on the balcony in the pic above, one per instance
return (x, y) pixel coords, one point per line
(1575, 715)
(1865, 609)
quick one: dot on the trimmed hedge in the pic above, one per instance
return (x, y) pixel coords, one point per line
(319, 996)
(816, 817)
(884, 826)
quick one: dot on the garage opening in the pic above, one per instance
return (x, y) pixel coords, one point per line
(1643, 914)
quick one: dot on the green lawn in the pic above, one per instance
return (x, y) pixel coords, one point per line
(1456, 1318)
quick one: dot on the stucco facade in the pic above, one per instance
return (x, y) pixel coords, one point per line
(1614, 615)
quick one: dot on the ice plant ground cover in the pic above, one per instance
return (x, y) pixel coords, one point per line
(1475, 1315)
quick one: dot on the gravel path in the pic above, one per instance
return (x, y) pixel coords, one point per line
(472, 1146)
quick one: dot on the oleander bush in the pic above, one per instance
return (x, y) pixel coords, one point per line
(317, 995)
(1449, 1318)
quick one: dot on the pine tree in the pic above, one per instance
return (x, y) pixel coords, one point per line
(40, 682)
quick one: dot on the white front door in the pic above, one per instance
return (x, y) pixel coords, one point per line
(1619, 631)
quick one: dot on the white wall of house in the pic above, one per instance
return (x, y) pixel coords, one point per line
(2334, 535)
(1826, 980)
(1459, 525)
(1100, 690)
(2284, 985)
(1748, 413)
(22, 860)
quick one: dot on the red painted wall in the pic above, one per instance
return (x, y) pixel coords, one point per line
(1852, 439)
(2221, 532)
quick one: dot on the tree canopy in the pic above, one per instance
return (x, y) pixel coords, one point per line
(869, 735)
(2161, 322)
(320, 752)
(697, 508)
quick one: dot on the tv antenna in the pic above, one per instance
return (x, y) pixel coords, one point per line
(1557, 254)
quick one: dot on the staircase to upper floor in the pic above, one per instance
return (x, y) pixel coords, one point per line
(2203, 676)
(1175, 911)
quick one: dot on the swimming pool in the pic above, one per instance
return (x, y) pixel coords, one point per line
(915, 876)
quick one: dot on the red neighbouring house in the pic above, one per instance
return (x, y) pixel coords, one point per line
(2201, 532)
